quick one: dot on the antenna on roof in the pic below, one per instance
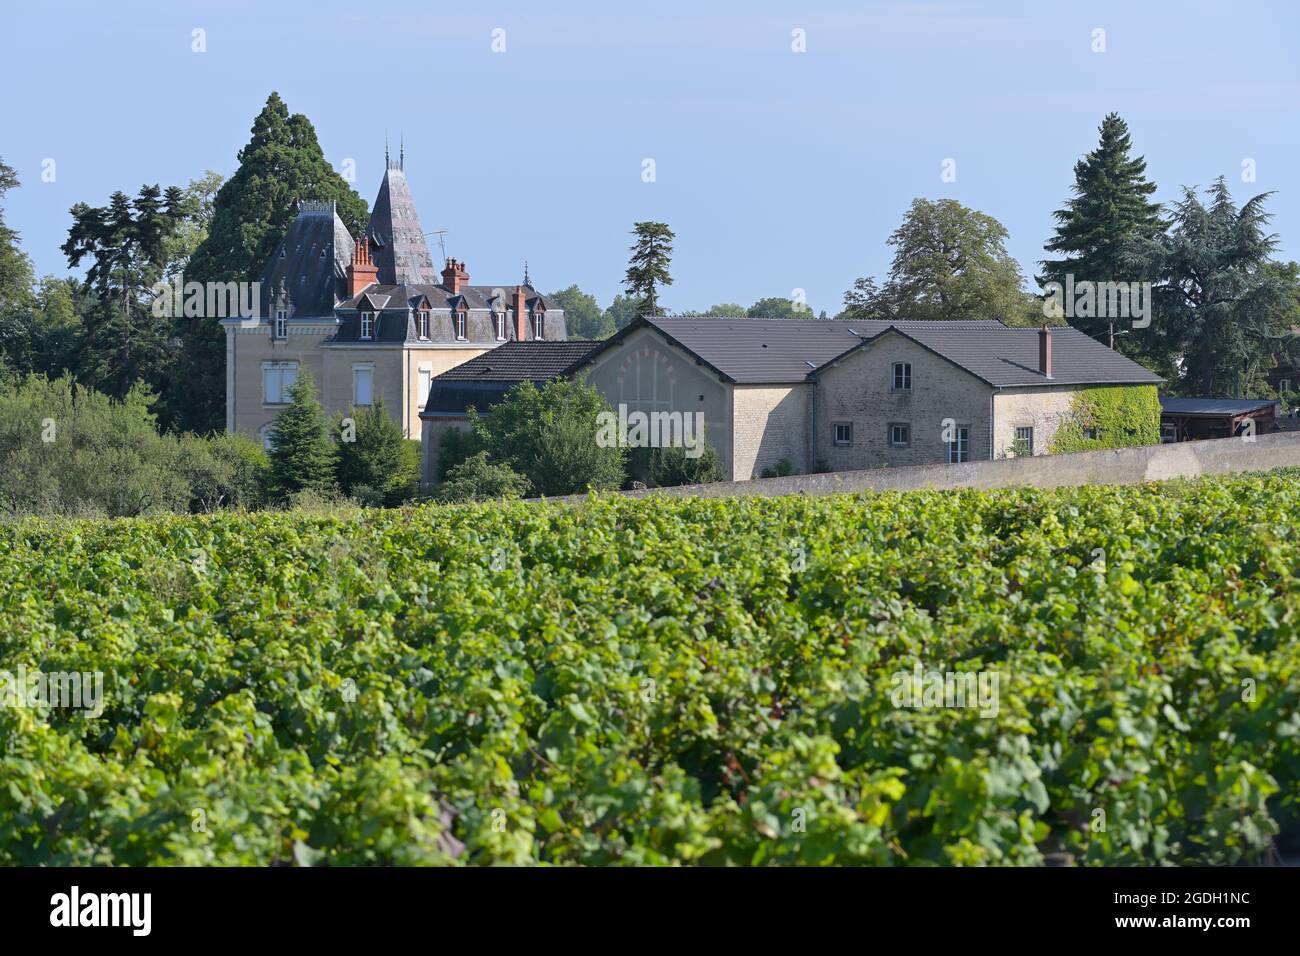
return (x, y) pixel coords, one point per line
(442, 246)
(401, 154)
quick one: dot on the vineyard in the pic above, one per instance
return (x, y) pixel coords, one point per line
(665, 681)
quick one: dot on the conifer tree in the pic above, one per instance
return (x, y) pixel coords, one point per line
(648, 267)
(302, 454)
(1108, 216)
(281, 164)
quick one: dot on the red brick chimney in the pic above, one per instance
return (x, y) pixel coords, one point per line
(454, 276)
(521, 313)
(1045, 351)
(361, 272)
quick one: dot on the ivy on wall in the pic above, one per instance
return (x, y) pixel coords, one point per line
(1110, 416)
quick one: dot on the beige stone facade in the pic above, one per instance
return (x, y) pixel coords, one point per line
(1041, 409)
(253, 357)
(771, 425)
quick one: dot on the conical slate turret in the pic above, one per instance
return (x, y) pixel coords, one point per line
(397, 243)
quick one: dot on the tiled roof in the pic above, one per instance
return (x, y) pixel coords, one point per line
(395, 323)
(1213, 407)
(786, 351)
(311, 262)
(483, 381)
(397, 243)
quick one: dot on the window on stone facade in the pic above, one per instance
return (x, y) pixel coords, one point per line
(842, 433)
(276, 379)
(424, 378)
(959, 447)
(1025, 440)
(900, 434)
(902, 376)
(422, 324)
(363, 384)
(281, 324)
(367, 325)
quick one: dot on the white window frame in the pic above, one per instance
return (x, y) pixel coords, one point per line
(847, 441)
(281, 330)
(367, 326)
(539, 325)
(500, 319)
(369, 369)
(900, 379)
(462, 324)
(958, 450)
(423, 371)
(907, 435)
(277, 369)
(422, 324)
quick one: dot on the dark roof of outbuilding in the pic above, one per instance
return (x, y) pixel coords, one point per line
(1213, 407)
(311, 262)
(483, 381)
(787, 351)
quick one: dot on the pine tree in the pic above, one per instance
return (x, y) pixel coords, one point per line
(281, 164)
(370, 452)
(648, 266)
(15, 267)
(1109, 214)
(302, 455)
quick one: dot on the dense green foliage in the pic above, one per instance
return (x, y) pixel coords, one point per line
(303, 457)
(478, 478)
(375, 463)
(658, 681)
(647, 269)
(583, 318)
(70, 450)
(1110, 417)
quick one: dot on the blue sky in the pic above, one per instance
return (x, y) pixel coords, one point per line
(777, 170)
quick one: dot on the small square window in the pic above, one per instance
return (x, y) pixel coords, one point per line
(842, 433)
(902, 376)
(1092, 433)
(1024, 440)
(900, 435)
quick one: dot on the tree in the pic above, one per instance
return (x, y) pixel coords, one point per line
(281, 164)
(477, 478)
(200, 205)
(123, 343)
(15, 267)
(648, 267)
(1220, 302)
(779, 308)
(372, 454)
(548, 435)
(302, 455)
(729, 310)
(1109, 212)
(583, 318)
(672, 466)
(622, 312)
(226, 470)
(950, 262)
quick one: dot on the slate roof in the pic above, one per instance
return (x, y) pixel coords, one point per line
(397, 244)
(394, 322)
(483, 381)
(311, 262)
(787, 351)
(1213, 407)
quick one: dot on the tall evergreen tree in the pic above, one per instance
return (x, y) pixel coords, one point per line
(1109, 213)
(15, 267)
(302, 454)
(123, 343)
(281, 164)
(648, 267)
(371, 451)
(1220, 300)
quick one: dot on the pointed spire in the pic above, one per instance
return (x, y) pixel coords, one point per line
(386, 165)
(527, 281)
(401, 155)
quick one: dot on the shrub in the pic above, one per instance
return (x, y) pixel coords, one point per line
(479, 479)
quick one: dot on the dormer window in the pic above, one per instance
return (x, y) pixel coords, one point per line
(422, 324)
(281, 324)
(539, 324)
(462, 320)
(500, 320)
(367, 325)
